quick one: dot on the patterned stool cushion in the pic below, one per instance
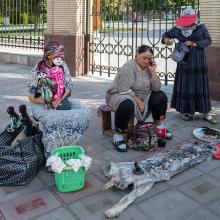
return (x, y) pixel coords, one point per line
(62, 127)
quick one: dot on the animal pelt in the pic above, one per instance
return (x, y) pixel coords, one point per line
(157, 168)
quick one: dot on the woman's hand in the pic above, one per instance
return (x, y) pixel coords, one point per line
(139, 103)
(38, 100)
(152, 69)
(141, 107)
(168, 41)
(190, 43)
(55, 103)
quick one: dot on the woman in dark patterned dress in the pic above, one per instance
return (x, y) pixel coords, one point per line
(191, 86)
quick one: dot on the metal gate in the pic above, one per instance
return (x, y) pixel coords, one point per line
(120, 26)
(22, 23)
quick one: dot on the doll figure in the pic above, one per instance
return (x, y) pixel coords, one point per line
(45, 89)
(15, 124)
(56, 75)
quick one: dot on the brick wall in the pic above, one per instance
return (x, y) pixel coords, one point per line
(66, 17)
(210, 15)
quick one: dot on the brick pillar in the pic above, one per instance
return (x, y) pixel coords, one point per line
(66, 23)
(96, 15)
(210, 15)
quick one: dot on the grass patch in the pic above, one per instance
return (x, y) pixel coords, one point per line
(111, 29)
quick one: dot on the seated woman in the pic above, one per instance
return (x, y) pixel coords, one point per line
(60, 128)
(136, 90)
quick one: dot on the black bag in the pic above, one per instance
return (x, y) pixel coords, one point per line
(180, 52)
(20, 163)
(6, 138)
(144, 137)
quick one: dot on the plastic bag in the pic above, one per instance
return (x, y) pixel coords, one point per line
(20, 163)
(180, 52)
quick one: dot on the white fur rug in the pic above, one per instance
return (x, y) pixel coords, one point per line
(156, 169)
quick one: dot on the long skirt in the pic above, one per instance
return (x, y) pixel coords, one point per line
(191, 87)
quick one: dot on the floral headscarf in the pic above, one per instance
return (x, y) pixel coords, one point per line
(52, 49)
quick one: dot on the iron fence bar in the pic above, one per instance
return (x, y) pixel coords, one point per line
(108, 36)
(86, 40)
(117, 17)
(127, 18)
(131, 23)
(142, 21)
(132, 28)
(22, 21)
(165, 75)
(136, 27)
(100, 51)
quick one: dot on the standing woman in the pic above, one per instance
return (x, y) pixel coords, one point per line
(136, 91)
(191, 86)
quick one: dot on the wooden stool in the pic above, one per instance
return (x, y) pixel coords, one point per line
(106, 121)
(107, 124)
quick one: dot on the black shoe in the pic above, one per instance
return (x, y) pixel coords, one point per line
(119, 130)
(169, 135)
(117, 145)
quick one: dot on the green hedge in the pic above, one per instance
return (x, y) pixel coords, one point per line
(21, 18)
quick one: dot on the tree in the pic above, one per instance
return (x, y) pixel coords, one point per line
(25, 11)
(113, 8)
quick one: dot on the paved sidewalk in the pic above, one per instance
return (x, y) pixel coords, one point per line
(191, 195)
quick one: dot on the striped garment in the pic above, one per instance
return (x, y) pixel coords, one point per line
(32, 84)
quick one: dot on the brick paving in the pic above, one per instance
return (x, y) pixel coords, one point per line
(193, 194)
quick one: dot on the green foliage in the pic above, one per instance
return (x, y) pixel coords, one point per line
(175, 5)
(1, 19)
(109, 8)
(24, 12)
(24, 18)
(114, 9)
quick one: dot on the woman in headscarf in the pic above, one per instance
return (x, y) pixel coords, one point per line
(60, 128)
(51, 50)
(136, 91)
(191, 86)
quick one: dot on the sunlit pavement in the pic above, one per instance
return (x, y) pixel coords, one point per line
(193, 194)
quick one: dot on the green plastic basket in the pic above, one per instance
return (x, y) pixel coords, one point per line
(68, 180)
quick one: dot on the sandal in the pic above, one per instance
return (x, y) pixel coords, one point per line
(216, 154)
(119, 130)
(187, 116)
(169, 135)
(211, 118)
(117, 145)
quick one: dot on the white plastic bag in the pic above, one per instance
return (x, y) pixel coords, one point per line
(86, 161)
(56, 163)
(74, 163)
